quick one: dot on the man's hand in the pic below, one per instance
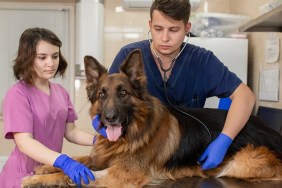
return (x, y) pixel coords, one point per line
(215, 152)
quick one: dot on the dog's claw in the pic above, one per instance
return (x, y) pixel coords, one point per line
(70, 183)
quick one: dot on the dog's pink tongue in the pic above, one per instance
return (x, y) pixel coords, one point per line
(113, 132)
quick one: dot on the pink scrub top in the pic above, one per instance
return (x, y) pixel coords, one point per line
(27, 109)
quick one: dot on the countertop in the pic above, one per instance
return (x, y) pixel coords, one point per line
(217, 183)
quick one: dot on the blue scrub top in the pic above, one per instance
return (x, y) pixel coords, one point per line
(196, 75)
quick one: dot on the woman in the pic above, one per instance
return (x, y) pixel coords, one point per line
(38, 114)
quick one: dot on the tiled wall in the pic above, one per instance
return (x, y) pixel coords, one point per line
(117, 25)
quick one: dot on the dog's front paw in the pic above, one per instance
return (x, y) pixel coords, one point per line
(30, 182)
(47, 180)
(46, 169)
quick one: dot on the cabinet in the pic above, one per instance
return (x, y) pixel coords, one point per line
(268, 22)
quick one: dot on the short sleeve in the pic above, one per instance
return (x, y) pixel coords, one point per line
(72, 116)
(120, 57)
(17, 112)
(62, 92)
(125, 50)
(220, 81)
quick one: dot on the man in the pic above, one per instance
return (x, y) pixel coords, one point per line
(181, 74)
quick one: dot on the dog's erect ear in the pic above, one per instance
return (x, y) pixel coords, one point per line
(93, 71)
(133, 68)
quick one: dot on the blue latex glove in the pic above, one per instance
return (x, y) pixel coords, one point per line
(215, 152)
(74, 169)
(96, 123)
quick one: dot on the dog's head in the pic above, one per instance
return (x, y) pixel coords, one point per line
(118, 98)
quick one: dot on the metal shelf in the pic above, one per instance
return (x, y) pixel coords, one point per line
(268, 22)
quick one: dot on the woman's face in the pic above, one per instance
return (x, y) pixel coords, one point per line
(167, 34)
(46, 61)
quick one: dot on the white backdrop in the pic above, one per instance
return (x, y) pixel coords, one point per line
(15, 20)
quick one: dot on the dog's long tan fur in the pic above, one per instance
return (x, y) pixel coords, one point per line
(150, 138)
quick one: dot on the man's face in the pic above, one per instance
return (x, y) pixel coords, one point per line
(167, 34)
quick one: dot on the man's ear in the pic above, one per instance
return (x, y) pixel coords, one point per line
(188, 27)
(150, 24)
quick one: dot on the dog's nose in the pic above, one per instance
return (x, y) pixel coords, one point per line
(111, 116)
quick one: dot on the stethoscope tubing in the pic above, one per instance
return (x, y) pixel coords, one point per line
(165, 78)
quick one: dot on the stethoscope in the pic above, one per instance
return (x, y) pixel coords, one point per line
(165, 78)
(172, 61)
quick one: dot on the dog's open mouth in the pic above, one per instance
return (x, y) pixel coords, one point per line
(114, 131)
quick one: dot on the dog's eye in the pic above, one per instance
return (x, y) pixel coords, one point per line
(123, 93)
(101, 95)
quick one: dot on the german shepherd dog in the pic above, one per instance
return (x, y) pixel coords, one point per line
(151, 142)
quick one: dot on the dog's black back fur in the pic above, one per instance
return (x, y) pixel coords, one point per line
(195, 138)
